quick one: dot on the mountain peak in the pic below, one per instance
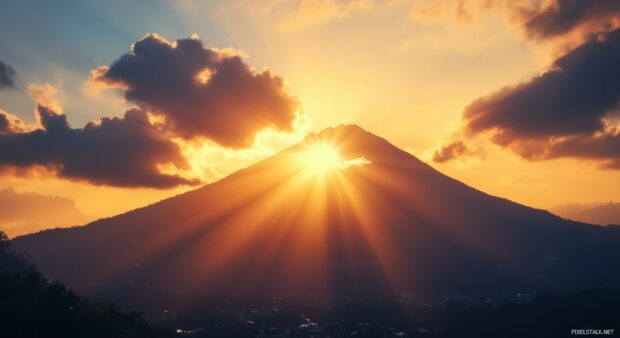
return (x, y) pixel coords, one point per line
(353, 141)
(349, 128)
(341, 130)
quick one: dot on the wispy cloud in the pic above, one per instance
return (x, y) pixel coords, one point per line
(313, 12)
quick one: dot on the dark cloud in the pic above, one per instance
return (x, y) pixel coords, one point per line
(7, 75)
(451, 151)
(201, 92)
(115, 151)
(5, 124)
(581, 88)
(560, 17)
(568, 111)
(604, 148)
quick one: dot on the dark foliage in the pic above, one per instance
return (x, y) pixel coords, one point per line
(30, 306)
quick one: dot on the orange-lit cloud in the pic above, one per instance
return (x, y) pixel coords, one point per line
(45, 95)
(293, 16)
(210, 162)
(312, 12)
(201, 92)
(442, 11)
(10, 123)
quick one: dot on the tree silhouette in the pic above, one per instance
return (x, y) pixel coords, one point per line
(30, 306)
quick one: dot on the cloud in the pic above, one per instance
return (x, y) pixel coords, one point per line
(568, 111)
(451, 151)
(560, 24)
(119, 151)
(560, 17)
(581, 88)
(571, 21)
(289, 16)
(312, 12)
(201, 92)
(604, 148)
(448, 11)
(22, 213)
(45, 95)
(429, 11)
(187, 97)
(7, 76)
(10, 123)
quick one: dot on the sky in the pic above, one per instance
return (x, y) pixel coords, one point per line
(118, 104)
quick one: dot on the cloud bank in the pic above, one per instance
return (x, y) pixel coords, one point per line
(570, 110)
(572, 98)
(312, 12)
(119, 151)
(183, 92)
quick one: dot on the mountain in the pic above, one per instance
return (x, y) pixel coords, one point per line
(21, 213)
(374, 222)
(599, 213)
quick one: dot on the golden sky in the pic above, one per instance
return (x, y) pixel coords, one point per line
(405, 70)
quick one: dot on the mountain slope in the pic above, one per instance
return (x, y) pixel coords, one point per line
(381, 224)
(601, 213)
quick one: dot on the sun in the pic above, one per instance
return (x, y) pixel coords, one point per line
(321, 158)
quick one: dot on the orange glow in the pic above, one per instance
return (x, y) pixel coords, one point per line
(322, 158)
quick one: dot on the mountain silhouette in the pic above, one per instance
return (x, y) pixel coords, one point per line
(379, 224)
(596, 213)
(22, 213)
